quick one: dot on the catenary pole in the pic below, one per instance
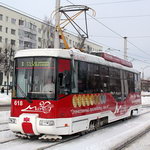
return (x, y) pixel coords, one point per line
(57, 21)
(125, 48)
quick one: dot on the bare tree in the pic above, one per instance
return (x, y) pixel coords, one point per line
(7, 61)
(47, 28)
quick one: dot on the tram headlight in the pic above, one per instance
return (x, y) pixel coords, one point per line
(12, 120)
(46, 123)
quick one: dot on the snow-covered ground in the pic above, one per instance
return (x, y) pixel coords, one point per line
(104, 139)
(5, 99)
(145, 98)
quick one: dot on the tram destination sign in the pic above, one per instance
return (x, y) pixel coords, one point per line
(35, 64)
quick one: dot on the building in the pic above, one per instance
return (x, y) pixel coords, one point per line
(145, 85)
(20, 31)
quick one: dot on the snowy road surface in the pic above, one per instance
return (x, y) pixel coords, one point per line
(141, 144)
(104, 139)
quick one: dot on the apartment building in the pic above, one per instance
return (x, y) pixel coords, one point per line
(20, 31)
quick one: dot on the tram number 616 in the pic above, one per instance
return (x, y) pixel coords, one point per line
(18, 103)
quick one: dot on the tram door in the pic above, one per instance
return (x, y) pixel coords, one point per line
(124, 85)
(64, 77)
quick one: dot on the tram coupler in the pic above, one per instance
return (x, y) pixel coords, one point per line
(50, 137)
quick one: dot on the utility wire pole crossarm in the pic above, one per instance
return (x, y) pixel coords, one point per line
(57, 22)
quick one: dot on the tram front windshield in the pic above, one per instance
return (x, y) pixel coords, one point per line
(34, 78)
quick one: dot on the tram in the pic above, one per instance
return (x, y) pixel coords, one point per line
(60, 92)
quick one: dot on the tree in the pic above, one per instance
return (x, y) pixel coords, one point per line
(7, 62)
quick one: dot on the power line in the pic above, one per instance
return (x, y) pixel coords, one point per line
(107, 36)
(138, 48)
(104, 36)
(119, 51)
(21, 12)
(147, 36)
(113, 31)
(118, 17)
(115, 2)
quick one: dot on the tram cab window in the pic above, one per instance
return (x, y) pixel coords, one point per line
(64, 77)
(31, 75)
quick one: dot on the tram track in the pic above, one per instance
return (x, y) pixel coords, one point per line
(132, 139)
(7, 129)
(9, 140)
(103, 127)
(66, 139)
(57, 143)
(2, 123)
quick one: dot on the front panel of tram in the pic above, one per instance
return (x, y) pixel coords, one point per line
(34, 94)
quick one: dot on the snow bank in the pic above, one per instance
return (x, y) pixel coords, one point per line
(4, 115)
(145, 93)
(5, 99)
(145, 98)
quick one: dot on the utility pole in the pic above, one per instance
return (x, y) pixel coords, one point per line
(57, 21)
(125, 48)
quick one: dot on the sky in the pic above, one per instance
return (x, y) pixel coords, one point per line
(114, 20)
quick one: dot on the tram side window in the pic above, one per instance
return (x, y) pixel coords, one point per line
(93, 78)
(115, 83)
(82, 77)
(104, 79)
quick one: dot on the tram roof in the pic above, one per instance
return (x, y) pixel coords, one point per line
(68, 53)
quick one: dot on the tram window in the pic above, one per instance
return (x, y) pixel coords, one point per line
(32, 74)
(104, 79)
(104, 71)
(64, 77)
(115, 83)
(115, 73)
(131, 82)
(137, 82)
(82, 77)
(93, 78)
(75, 77)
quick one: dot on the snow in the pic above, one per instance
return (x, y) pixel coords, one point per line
(145, 98)
(4, 115)
(5, 99)
(104, 139)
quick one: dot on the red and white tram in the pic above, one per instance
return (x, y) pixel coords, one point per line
(62, 92)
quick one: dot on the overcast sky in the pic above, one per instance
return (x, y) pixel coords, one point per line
(120, 18)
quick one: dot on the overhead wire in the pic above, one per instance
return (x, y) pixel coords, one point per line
(113, 31)
(114, 2)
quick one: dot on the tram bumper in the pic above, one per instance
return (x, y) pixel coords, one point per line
(33, 125)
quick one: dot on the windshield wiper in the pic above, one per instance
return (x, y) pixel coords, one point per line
(23, 93)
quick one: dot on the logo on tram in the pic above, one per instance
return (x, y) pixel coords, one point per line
(44, 107)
